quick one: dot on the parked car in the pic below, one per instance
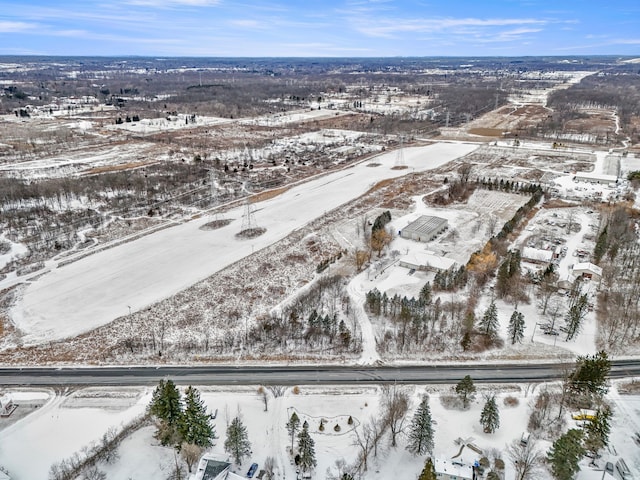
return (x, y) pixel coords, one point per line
(252, 470)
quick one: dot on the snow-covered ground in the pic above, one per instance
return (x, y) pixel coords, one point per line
(27, 448)
(15, 250)
(295, 116)
(180, 122)
(61, 427)
(92, 291)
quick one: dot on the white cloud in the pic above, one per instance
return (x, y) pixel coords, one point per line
(245, 23)
(173, 3)
(11, 27)
(390, 27)
(627, 41)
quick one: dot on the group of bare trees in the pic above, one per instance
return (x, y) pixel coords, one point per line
(389, 423)
(619, 301)
(615, 89)
(86, 461)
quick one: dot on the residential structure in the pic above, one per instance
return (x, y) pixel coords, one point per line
(425, 228)
(427, 261)
(451, 470)
(211, 468)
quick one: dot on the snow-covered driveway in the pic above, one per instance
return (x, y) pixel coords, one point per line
(95, 290)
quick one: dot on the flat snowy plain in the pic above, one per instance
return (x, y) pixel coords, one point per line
(95, 290)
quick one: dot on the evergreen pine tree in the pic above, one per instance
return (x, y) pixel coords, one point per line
(601, 246)
(516, 327)
(421, 430)
(590, 374)
(489, 321)
(490, 416)
(428, 472)
(195, 424)
(565, 453)
(597, 431)
(306, 448)
(293, 425)
(237, 443)
(575, 315)
(465, 343)
(466, 390)
(166, 403)
(166, 406)
(425, 293)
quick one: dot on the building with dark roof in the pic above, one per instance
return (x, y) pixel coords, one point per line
(425, 228)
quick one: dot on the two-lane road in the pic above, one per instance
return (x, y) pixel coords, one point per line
(298, 375)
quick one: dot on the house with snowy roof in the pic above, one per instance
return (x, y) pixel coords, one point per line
(452, 470)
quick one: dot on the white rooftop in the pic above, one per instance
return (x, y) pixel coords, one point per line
(588, 266)
(597, 176)
(428, 259)
(453, 469)
(530, 253)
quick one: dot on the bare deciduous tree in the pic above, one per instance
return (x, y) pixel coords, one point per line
(360, 257)
(526, 459)
(396, 404)
(364, 441)
(190, 453)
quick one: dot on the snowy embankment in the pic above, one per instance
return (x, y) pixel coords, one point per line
(95, 290)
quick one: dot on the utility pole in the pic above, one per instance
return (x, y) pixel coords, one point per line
(447, 120)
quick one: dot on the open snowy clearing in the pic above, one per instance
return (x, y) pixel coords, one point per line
(141, 458)
(97, 289)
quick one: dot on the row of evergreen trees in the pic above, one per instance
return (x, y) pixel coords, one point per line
(510, 225)
(414, 319)
(317, 330)
(450, 280)
(508, 185)
(183, 424)
(306, 456)
(394, 307)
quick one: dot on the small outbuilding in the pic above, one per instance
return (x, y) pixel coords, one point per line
(587, 270)
(590, 177)
(425, 228)
(6, 406)
(426, 261)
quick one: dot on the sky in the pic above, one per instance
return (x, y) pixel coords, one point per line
(319, 28)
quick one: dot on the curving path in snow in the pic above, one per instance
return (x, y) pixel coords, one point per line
(94, 290)
(356, 291)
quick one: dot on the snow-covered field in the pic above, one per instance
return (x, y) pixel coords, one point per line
(96, 289)
(27, 448)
